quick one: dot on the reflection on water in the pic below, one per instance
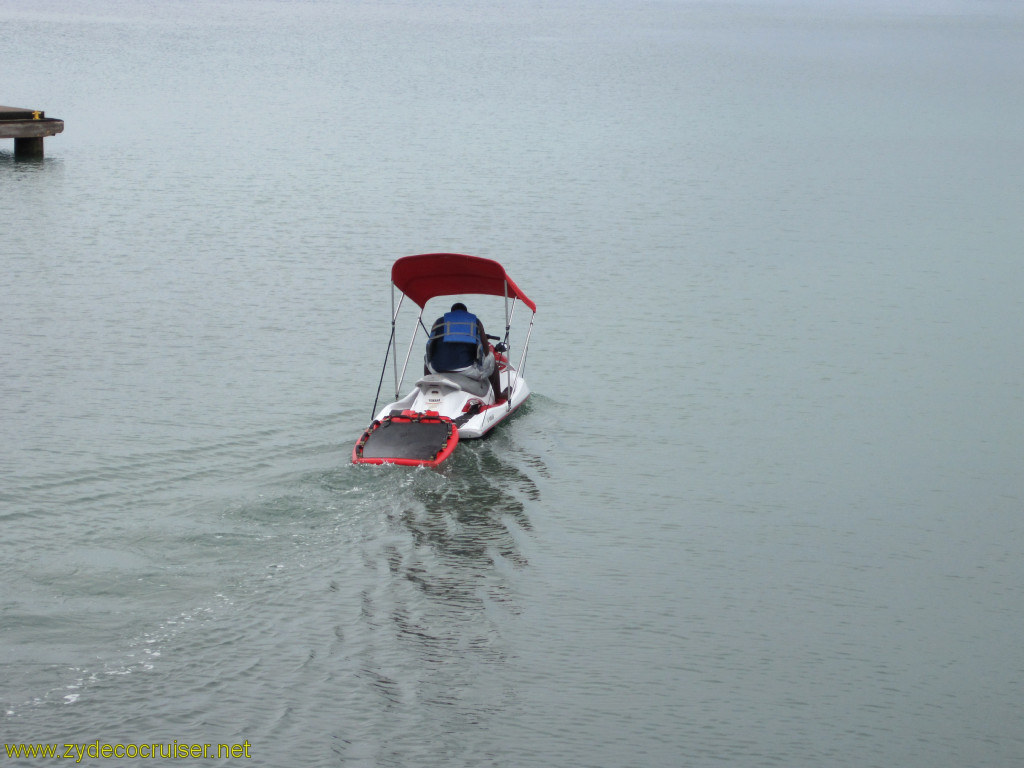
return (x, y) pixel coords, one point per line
(440, 582)
(469, 516)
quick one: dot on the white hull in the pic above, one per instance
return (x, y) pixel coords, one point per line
(475, 415)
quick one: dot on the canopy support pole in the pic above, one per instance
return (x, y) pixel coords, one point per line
(391, 346)
(522, 365)
(383, 370)
(508, 318)
(412, 341)
(394, 320)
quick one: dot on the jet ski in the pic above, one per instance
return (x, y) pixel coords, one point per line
(469, 384)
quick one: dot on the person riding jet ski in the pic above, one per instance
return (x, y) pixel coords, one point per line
(458, 344)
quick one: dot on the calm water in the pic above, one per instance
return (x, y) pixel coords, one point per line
(764, 507)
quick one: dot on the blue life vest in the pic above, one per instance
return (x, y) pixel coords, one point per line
(454, 343)
(460, 328)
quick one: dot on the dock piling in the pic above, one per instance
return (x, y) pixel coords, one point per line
(28, 148)
(27, 127)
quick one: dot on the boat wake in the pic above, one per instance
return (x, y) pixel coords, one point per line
(372, 597)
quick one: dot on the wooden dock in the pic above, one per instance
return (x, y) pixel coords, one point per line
(28, 128)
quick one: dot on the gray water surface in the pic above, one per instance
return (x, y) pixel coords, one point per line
(764, 505)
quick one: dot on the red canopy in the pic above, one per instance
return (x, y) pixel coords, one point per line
(423, 277)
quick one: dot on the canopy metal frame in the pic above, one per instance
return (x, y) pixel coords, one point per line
(392, 350)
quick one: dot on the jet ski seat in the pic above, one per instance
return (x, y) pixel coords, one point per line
(465, 383)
